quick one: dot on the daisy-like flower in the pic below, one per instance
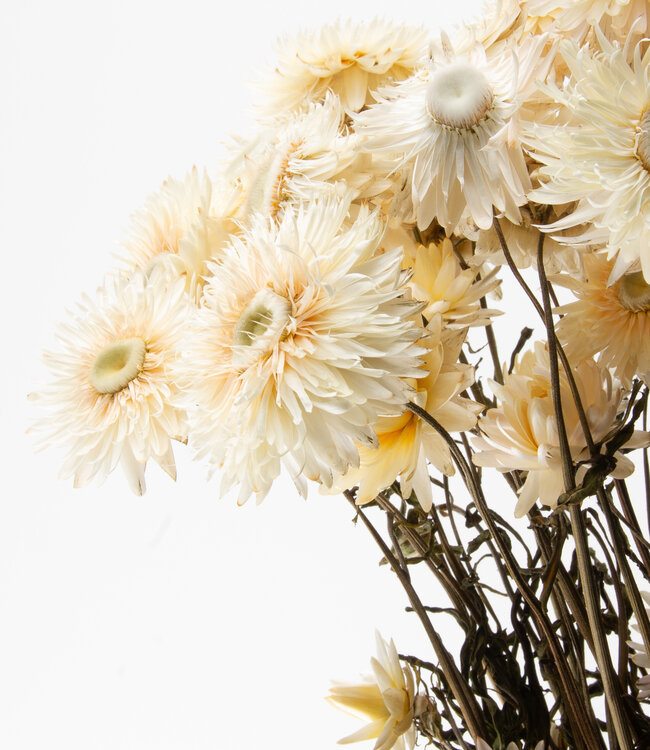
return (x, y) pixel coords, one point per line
(298, 159)
(603, 159)
(642, 658)
(612, 321)
(184, 224)
(521, 433)
(387, 700)
(455, 121)
(407, 443)
(449, 290)
(350, 59)
(113, 398)
(304, 340)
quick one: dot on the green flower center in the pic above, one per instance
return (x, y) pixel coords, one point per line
(117, 365)
(458, 96)
(634, 292)
(260, 326)
(643, 140)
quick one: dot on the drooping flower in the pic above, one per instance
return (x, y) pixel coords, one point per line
(611, 321)
(303, 342)
(406, 442)
(350, 59)
(114, 398)
(521, 433)
(602, 159)
(185, 223)
(456, 122)
(387, 700)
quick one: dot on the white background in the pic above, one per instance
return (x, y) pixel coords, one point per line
(176, 620)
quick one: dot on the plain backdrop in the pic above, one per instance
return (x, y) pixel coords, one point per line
(176, 620)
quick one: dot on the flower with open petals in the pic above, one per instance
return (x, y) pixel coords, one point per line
(521, 433)
(303, 342)
(608, 320)
(387, 700)
(602, 158)
(456, 122)
(350, 59)
(114, 398)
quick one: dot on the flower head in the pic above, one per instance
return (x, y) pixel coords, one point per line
(304, 340)
(113, 398)
(521, 433)
(387, 699)
(350, 59)
(602, 158)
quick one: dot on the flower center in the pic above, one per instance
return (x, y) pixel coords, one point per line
(634, 292)
(259, 327)
(458, 95)
(117, 365)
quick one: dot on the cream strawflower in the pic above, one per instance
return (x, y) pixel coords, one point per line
(406, 442)
(449, 290)
(521, 433)
(610, 321)
(113, 398)
(310, 153)
(575, 17)
(184, 224)
(350, 59)
(603, 159)
(302, 343)
(456, 122)
(387, 700)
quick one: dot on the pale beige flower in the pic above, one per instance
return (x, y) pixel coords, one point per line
(521, 433)
(449, 290)
(456, 122)
(642, 658)
(183, 225)
(387, 700)
(407, 444)
(114, 398)
(303, 341)
(350, 59)
(602, 160)
(611, 321)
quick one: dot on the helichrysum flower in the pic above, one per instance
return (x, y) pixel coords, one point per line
(186, 222)
(304, 340)
(455, 121)
(407, 444)
(387, 700)
(113, 398)
(449, 290)
(608, 320)
(521, 433)
(602, 160)
(350, 59)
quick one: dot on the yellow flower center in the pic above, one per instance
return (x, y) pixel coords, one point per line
(458, 96)
(117, 365)
(643, 139)
(634, 292)
(260, 326)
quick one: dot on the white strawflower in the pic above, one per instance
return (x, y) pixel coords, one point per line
(521, 433)
(387, 700)
(113, 398)
(642, 658)
(603, 159)
(575, 17)
(456, 122)
(185, 224)
(351, 59)
(309, 153)
(611, 321)
(301, 345)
